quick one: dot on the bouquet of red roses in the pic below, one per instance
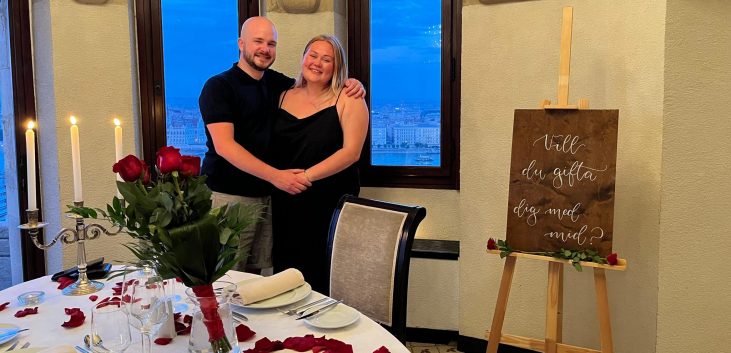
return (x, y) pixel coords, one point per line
(176, 228)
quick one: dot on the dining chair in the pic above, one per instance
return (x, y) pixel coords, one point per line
(369, 249)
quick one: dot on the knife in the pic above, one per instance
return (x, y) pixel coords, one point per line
(320, 310)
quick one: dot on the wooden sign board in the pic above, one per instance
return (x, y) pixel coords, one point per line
(562, 175)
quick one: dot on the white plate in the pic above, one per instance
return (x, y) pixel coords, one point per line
(286, 298)
(8, 338)
(339, 316)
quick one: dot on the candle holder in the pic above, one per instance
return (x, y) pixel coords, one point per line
(79, 236)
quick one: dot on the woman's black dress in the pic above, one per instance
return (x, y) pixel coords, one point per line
(301, 222)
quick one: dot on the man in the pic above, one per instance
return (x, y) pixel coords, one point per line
(235, 106)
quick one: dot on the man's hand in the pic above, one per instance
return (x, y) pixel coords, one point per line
(291, 181)
(354, 88)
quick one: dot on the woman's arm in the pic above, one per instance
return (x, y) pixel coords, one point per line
(354, 122)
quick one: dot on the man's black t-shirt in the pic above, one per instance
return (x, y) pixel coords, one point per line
(235, 97)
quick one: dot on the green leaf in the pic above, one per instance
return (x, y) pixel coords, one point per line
(225, 235)
(577, 266)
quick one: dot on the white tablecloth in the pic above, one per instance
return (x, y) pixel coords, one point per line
(45, 327)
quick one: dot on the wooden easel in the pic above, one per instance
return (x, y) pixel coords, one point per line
(554, 303)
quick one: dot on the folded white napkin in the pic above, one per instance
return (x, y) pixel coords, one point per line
(267, 287)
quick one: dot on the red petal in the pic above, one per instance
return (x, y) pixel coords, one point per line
(75, 320)
(243, 333)
(64, 282)
(4, 305)
(93, 297)
(300, 344)
(163, 340)
(26, 312)
(382, 350)
(267, 345)
(187, 319)
(70, 311)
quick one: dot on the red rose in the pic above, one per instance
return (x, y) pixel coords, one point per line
(612, 259)
(145, 173)
(190, 166)
(491, 244)
(168, 159)
(129, 168)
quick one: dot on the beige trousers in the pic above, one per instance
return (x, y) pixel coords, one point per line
(255, 242)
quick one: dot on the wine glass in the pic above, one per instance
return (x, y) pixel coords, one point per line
(109, 328)
(143, 298)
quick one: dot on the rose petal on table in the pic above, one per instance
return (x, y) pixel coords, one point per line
(299, 344)
(70, 311)
(335, 346)
(26, 312)
(163, 340)
(64, 282)
(383, 349)
(76, 319)
(93, 297)
(266, 345)
(181, 329)
(188, 319)
(4, 305)
(244, 333)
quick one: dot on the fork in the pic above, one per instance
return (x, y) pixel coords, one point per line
(12, 346)
(239, 316)
(296, 310)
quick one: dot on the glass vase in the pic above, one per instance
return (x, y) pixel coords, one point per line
(212, 329)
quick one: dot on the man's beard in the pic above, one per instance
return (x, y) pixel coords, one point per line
(250, 60)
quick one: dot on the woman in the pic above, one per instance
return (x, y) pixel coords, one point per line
(319, 130)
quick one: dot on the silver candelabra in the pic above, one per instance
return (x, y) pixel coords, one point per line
(79, 235)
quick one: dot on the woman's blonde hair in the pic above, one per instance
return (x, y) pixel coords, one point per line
(340, 67)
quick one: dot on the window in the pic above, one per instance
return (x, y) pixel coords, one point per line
(180, 45)
(407, 54)
(17, 105)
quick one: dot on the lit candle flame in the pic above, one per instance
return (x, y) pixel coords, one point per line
(73, 120)
(31, 125)
(117, 122)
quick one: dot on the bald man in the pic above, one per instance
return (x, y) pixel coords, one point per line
(235, 106)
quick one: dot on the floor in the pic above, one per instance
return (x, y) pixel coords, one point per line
(417, 347)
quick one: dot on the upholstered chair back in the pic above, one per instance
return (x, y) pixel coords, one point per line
(370, 245)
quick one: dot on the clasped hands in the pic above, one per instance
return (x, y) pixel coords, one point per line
(292, 181)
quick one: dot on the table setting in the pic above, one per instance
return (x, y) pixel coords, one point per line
(268, 318)
(181, 294)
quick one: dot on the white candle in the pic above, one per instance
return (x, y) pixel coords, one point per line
(76, 160)
(118, 147)
(30, 152)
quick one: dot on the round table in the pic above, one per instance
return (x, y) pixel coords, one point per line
(365, 335)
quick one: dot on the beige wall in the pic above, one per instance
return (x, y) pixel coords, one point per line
(666, 71)
(295, 30)
(84, 66)
(694, 304)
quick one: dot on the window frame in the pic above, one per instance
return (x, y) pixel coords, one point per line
(151, 68)
(21, 56)
(447, 175)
